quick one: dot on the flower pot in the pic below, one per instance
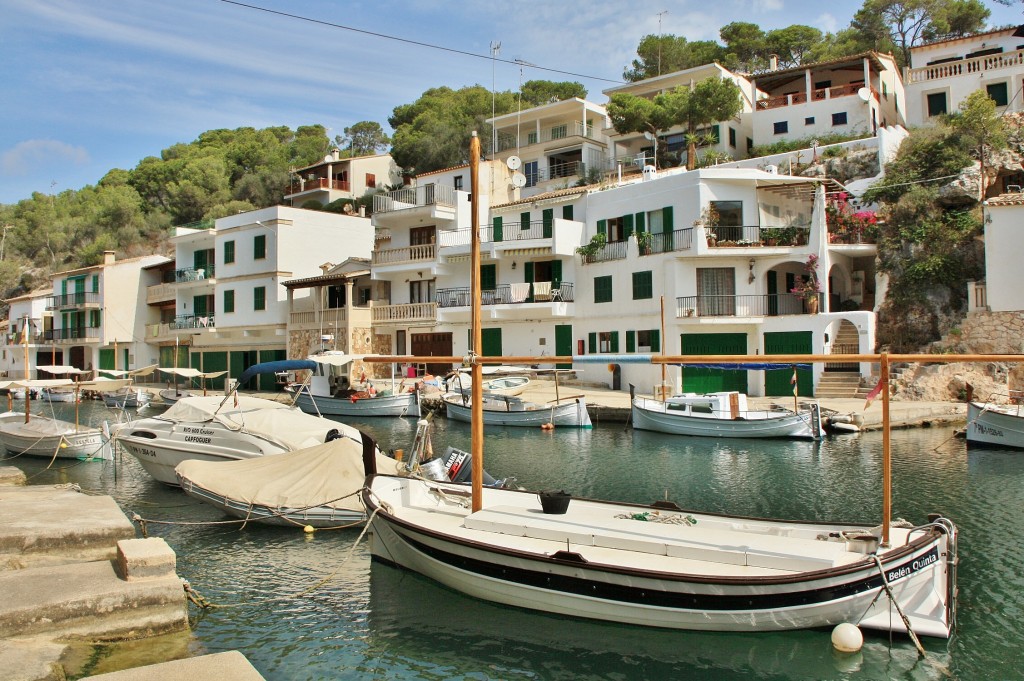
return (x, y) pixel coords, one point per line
(812, 305)
(554, 502)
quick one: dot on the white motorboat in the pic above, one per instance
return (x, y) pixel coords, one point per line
(568, 412)
(724, 415)
(999, 425)
(328, 391)
(222, 428)
(661, 566)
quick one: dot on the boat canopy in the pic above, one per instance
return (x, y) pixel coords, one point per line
(266, 418)
(105, 385)
(61, 370)
(276, 367)
(42, 383)
(118, 373)
(323, 475)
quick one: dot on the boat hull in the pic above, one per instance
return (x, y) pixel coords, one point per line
(988, 425)
(652, 415)
(127, 400)
(402, 404)
(170, 396)
(43, 437)
(569, 564)
(571, 414)
(319, 516)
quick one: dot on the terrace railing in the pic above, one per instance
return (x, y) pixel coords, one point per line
(768, 305)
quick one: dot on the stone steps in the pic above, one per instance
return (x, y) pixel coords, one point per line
(837, 384)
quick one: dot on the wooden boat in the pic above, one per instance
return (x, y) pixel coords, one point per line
(35, 435)
(317, 486)
(724, 415)
(659, 565)
(498, 380)
(328, 391)
(61, 393)
(512, 411)
(999, 425)
(68, 394)
(128, 396)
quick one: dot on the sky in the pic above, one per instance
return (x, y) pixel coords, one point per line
(91, 85)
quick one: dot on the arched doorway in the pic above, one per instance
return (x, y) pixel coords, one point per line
(846, 342)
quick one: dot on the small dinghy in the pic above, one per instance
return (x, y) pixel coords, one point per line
(317, 486)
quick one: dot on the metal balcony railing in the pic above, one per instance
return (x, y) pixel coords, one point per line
(414, 197)
(505, 294)
(614, 250)
(666, 242)
(71, 333)
(527, 138)
(194, 274)
(193, 322)
(758, 235)
(77, 299)
(770, 305)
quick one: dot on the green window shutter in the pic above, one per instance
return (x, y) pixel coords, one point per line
(615, 341)
(716, 132)
(229, 300)
(643, 287)
(627, 224)
(603, 289)
(567, 212)
(548, 216)
(199, 306)
(641, 222)
(556, 273)
(259, 246)
(602, 227)
(229, 252)
(631, 341)
(259, 298)
(528, 272)
(524, 221)
(655, 340)
(592, 341)
(488, 277)
(95, 283)
(667, 227)
(497, 235)
(64, 287)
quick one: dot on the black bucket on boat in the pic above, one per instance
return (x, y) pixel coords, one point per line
(554, 502)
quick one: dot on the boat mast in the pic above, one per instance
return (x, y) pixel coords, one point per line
(476, 404)
(28, 390)
(886, 451)
(664, 342)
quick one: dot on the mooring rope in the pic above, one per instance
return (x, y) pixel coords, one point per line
(892, 599)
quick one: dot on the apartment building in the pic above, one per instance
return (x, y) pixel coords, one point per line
(341, 178)
(28, 319)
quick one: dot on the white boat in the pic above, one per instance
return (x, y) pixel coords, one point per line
(35, 435)
(723, 415)
(1000, 425)
(658, 565)
(662, 567)
(497, 380)
(60, 393)
(69, 394)
(318, 486)
(512, 411)
(127, 396)
(328, 391)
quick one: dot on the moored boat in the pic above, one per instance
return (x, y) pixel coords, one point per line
(328, 391)
(36, 435)
(999, 425)
(512, 411)
(724, 414)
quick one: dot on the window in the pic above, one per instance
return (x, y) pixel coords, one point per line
(259, 298)
(643, 285)
(809, 120)
(732, 137)
(421, 236)
(937, 103)
(781, 127)
(648, 340)
(716, 291)
(229, 252)
(608, 341)
(616, 230)
(421, 291)
(567, 212)
(95, 283)
(530, 170)
(94, 319)
(559, 131)
(730, 213)
(603, 289)
(259, 247)
(656, 221)
(839, 118)
(998, 93)
(531, 137)
(458, 183)
(229, 300)
(371, 181)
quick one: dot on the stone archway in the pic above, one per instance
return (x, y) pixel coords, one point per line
(845, 342)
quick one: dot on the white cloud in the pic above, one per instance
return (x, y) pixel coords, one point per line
(827, 23)
(32, 155)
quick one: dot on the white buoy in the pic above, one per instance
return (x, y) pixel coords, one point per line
(847, 638)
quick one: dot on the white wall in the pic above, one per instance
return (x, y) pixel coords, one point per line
(1004, 252)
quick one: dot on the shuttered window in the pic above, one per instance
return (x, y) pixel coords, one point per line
(603, 289)
(643, 286)
(259, 298)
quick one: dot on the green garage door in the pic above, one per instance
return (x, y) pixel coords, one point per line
(563, 343)
(779, 381)
(215, 361)
(701, 380)
(268, 382)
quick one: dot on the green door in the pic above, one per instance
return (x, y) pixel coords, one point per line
(556, 274)
(215, 361)
(778, 382)
(563, 343)
(773, 293)
(705, 380)
(497, 232)
(199, 306)
(490, 339)
(488, 277)
(107, 358)
(548, 216)
(268, 382)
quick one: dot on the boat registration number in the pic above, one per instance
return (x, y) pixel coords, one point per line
(144, 451)
(916, 565)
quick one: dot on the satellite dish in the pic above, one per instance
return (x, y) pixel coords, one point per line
(328, 158)
(518, 179)
(864, 94)
(514, 162)
(648, 136)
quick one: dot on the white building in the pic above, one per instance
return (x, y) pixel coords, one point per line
(942, 74)
(1003, 254)
(98, 313)
(231, 310)
(28, 322)
(341, 178)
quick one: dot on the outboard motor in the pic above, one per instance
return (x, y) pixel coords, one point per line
(333, 434)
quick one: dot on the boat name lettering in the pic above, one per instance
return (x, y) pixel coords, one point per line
(987, 430)
(910, 568)
(198, 438)
(198, 431)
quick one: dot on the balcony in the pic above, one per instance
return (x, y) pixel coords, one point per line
(816, 96)
(508, 141)
(406, 254)
(190, 274)
(964, 67)
(318, 183)
(758, 235)
(507, 294)
(613, 250)
(409, 313)
(159, 293)
(409, 198)
(82, 334)
(666, 242)
(74, 301)
(770, 305)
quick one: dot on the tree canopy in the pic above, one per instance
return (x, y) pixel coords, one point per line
(362, 139)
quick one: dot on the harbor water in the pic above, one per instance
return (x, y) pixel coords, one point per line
(315, 607)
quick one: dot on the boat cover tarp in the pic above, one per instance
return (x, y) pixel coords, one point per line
(276, 367)
(185, 372)
(267, 418)
(60, 370)
(329, 474)
(105, 385)
(144, 371)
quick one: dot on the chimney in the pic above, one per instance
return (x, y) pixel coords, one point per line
(336, 153)
(326, 266)
(108, 257)
(773, 62)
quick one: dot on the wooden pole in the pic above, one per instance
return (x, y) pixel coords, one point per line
(664, 342)
(28, 391)
(476, 408)
(886, 452)
(796, 406)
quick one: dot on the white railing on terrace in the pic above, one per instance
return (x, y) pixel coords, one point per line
(527, 137)
(414, 197)
(317, 317)
(963, 67)
(392, 256)
(408, 312)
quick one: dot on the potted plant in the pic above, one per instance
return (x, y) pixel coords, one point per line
(643, 242)
(589, 250)
(809, 287)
